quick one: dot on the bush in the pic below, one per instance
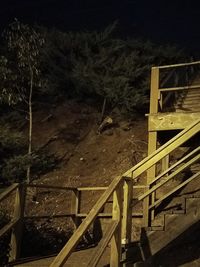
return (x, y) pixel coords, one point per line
(102, 66)
(14, 160)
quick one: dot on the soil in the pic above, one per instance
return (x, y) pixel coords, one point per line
(88, 157)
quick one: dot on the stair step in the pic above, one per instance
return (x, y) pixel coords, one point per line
(154, 228)
(192, 204)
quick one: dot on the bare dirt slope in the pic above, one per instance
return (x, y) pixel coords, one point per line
(70, 130)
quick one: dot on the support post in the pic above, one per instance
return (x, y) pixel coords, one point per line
(165, 164)
(115, 256)
(152, 145)
(75, 207)
(127, 212)
(16, 236)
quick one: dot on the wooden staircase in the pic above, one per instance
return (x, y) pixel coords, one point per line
(167, 207)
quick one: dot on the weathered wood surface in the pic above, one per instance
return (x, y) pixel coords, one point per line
(77, 259)
(171, 120)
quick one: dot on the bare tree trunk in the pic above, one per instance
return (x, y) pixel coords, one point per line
(103, 110)
(30, 125)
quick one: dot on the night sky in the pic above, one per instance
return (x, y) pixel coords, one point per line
(174, 22)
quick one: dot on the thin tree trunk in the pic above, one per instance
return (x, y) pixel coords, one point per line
(103, 110)
(30, 124)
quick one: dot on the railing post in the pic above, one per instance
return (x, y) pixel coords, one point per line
(115, 256)
(16, 236)
(75, 207)
(127, 211)
(152, 144)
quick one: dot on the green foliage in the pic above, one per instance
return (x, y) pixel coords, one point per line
(21, 68)
(14, 160)
(99, 65)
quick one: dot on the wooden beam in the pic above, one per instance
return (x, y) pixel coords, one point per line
(154, 90)
(180, 88)
(151, 173)
(196, 175)
(8, 227)
(127, 212)
(103, 244)
(193, 152)
(75, 207)
(171, 120)
(179, 65)
(36, 217)
(16, 235)
(115, 256)
(97, 188)
(50, 187)
(177, 171)
(164, 150)
(8, 191)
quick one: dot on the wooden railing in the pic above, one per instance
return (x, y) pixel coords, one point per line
(16, 223)
(119, 230)
(178, 78)
(120, 191)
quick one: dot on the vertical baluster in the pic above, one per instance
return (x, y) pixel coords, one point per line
(75, 207)
(127, 211)
(16, 236)
(116, 239)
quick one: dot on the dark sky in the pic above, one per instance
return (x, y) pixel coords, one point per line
(161, 21)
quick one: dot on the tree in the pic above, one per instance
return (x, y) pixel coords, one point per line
(21, 73)
(99, 65)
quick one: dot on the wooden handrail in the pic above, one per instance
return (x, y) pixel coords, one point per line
(174, 190)
(179, 65)
(103, 244)
(175, 165)
(8, 227)
(164, 150)
(8, 191)
(180, 88)
(185, 166)
(51, 187)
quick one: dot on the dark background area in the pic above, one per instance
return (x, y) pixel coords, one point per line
(174, 22)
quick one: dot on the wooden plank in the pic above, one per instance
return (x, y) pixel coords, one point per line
(175, 165)
(7, 227)
(115, 256)
(109, 215)
(165, 164)
(8, 191)
(49, 216)
(75, 207)
(179, 65)
(151, 173)
(16, 235)
(50, 187)
(179, 88)
(196, 175)
(97, 188)
(154, 90)
(103, 244)
(127, 212)
(177, 171)
(171, 120)
(73, 241)
(164, 150)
